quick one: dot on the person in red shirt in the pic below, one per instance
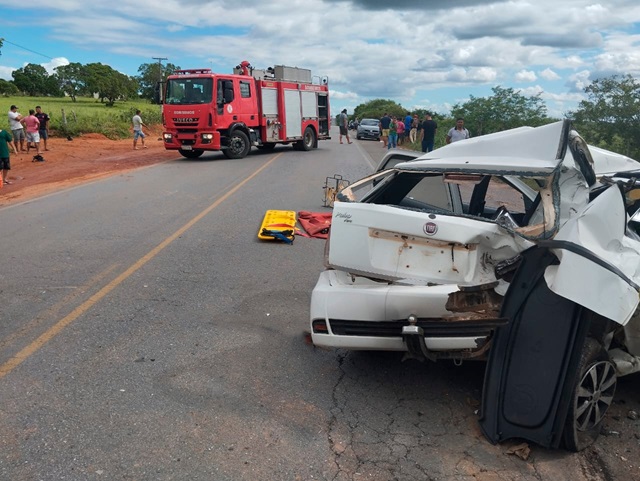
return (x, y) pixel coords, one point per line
(32, 125)
(400, 128)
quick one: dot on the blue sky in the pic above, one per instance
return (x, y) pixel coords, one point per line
(421, 53)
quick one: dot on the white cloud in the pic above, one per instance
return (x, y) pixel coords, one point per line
(368, 50)
(526, 76)
(55, 62)
(549, 74)
(531, 91)
(5, 73)
(578, 81)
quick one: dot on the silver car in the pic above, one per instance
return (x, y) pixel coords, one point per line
(368, 129)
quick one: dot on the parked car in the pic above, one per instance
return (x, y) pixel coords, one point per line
(516, 247)
(368, 129)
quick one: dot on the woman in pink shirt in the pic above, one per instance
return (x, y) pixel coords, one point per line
(33, 126)
(401, 130)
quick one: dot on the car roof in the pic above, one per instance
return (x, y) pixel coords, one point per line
(520, 151)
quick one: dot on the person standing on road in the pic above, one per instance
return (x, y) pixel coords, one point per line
(137, 130)
(16, 128)
(44, 126)
(393, 133)
(344, 126)
(385, 121)
(32, 124)
(6, 141)
(458, 132)
(413, 133)
(407, 127)
(400, 130)
(428, 133)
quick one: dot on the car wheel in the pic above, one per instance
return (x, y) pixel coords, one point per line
(592, 394)
(237, 146)
(191, 154)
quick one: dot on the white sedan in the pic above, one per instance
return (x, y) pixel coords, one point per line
(422, 256)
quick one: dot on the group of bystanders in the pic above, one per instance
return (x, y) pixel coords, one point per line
(36, 125)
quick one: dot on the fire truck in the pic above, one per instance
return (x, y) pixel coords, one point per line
(204, 111)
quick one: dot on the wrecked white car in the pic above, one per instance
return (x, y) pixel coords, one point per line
(523, 242)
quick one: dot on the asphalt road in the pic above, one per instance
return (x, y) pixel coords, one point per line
(147, 334)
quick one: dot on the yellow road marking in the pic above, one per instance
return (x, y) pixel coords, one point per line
(54, 330)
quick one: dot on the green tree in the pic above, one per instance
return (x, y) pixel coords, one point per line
(149, 76)
(72, 79)
(505, 109)
(109, 84)
(610, 117)
(8, 88)
(375, 109)
(32, 80)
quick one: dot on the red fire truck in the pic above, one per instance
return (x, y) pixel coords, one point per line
(203, 110)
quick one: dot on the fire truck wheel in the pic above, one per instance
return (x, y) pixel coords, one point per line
(309, 139)
(191, 154)
(237, 146)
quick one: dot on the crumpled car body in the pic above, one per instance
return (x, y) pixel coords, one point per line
(422, 257)
(424, 246)
(522, 247)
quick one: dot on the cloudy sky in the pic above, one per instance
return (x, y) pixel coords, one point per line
(420, 53)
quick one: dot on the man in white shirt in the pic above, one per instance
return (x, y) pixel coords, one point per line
(137, 130)
(16, 128)
(457, 133)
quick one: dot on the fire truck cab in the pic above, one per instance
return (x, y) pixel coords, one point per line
(204, 111)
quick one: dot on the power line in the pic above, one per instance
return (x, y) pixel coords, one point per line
(27, 49)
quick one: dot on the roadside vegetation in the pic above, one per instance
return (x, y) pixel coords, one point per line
(89, 98)
(86, 115)
(96, 98)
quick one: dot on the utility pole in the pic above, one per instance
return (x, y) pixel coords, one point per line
(159, 87)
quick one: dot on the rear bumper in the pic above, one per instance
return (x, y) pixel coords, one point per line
(363, 314)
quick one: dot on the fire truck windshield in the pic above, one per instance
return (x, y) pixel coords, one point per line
(189, 91)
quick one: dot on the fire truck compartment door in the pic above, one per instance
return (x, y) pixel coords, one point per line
(269, 102)
(309, 105)
(292, 110)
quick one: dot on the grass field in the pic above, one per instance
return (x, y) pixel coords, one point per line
(86, 115)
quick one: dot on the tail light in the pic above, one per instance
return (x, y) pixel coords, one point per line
(320, 326)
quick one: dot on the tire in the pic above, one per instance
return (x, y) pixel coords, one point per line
(591, 396)
(358, 137)
(308, 141)
(191, 154)
(238, 145)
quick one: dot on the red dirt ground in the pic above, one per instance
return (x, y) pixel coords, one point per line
(67, 163)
